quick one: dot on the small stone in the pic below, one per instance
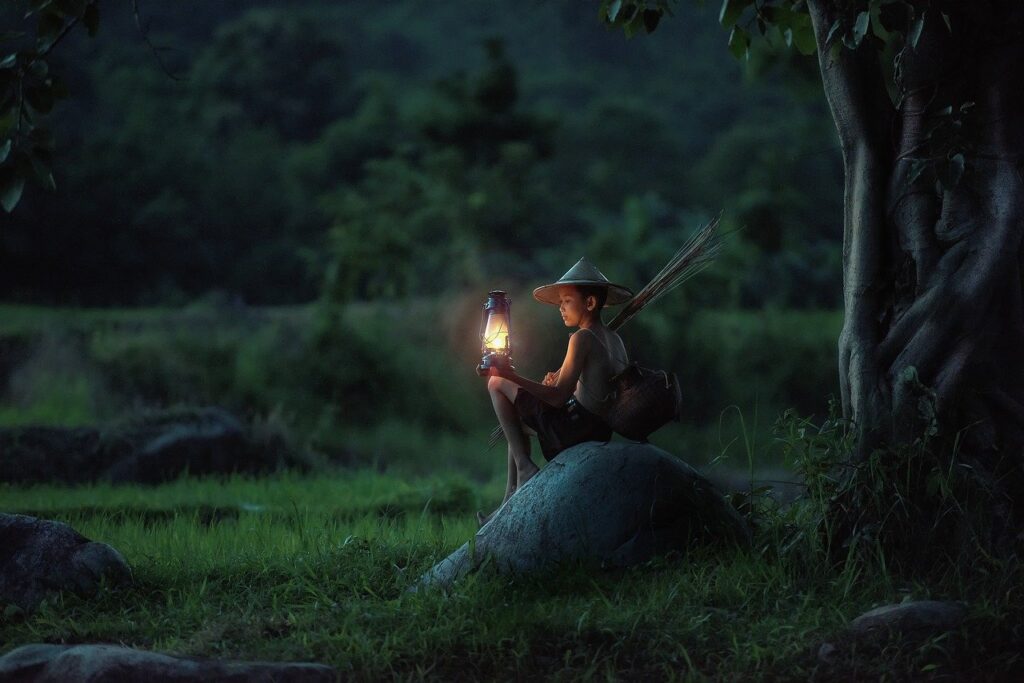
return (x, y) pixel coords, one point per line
(93, 663)
(922, 616)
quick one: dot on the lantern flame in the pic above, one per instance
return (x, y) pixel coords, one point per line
(496, 334)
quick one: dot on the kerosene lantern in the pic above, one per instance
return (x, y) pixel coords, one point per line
(495, 334)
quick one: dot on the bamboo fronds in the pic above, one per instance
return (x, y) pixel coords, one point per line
(695, 255)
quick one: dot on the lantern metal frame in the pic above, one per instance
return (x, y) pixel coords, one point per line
(497, 302)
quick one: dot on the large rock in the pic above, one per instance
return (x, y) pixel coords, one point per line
(39, 557)
(111, 663)
(148, 448)
(611, 503)
(207, 441)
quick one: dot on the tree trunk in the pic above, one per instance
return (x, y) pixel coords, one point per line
(932, 347)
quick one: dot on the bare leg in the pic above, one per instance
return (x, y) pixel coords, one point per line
(503, 394)
(520, 466)
(510, 488)
(510, 483)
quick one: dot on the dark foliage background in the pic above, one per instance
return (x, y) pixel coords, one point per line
(317, 195)
(415, 146)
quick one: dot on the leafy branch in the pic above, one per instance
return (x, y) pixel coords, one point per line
(28, 89)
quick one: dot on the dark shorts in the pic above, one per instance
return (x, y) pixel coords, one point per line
(561, 427)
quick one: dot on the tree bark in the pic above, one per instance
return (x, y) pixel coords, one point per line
(932, 344)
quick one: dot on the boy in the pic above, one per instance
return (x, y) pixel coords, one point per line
(570, 405)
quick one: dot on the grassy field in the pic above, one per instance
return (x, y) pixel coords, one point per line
(316, 569)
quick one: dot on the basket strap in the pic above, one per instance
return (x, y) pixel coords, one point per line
(594, 335)
(611, 395)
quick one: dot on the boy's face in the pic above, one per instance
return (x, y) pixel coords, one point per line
(572, 306)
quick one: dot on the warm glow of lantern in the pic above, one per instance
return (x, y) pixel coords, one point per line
(496, 333)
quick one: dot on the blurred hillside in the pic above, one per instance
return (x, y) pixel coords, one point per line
(393, 385)
(415, 148)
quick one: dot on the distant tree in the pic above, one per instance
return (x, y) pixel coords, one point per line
(459, 193)
(273, 68)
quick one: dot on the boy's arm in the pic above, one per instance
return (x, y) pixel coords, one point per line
(558, 393)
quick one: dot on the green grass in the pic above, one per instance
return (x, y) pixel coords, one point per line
(316, 569)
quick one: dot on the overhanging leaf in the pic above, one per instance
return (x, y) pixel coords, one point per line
(915, 30)
(651, 19)
(11, 187)
(860, 28)
(803, 38)
(7, 122)
(739, 42)
(731, 11)
(39, 68)
(5, 150)
(634, 24)
(50, 26)
(37, 5)
(613, 10)
(43, 174)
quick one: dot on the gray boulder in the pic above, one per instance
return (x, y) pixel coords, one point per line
(111, 663)
(147, 448)
(39, 557)
(162, 447)
(614, 503)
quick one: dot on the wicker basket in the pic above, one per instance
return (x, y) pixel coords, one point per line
(645, 401)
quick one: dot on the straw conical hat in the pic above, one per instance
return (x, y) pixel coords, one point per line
(584, 273)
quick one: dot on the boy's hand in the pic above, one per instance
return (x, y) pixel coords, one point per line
(550, 379)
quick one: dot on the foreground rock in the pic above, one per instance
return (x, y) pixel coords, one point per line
(95, 663)
(616, 504)
(907, 622)
(39, 557)
(928, 617)
(150, 448)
